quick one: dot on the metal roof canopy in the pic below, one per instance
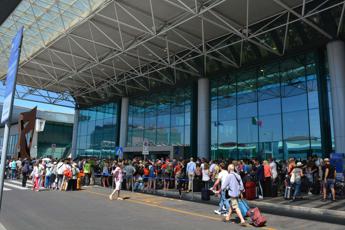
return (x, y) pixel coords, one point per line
(129, 46)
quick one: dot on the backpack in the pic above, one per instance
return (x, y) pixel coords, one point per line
(258, 220)
(67, 173)
(26, 168)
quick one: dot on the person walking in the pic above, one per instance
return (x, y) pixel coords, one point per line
(223, 202)
(25, 172)
(35, 177)
(117, 175)
(234, 184)
(191, 166)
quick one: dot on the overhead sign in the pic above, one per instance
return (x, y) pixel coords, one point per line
(39, 126)
(12, 76)
(119, 152)
(145, 147)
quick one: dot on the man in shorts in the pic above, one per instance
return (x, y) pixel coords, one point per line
(117, 175)
(234, 183)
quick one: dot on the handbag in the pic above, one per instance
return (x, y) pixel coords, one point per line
(292, 178)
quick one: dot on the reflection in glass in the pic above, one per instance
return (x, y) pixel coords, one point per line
(270, 111)
(166, 117)
(97, 130)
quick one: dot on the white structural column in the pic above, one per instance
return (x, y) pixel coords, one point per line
(75, 133)
(124, 121)
(203, 118)
(336, 60)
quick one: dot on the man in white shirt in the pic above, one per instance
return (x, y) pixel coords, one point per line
(273, 166)
(191, 166)
(222, 201)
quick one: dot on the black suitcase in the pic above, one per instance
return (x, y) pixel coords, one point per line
(316, 187)
(274, 190)
(205, 194)
(197, 185)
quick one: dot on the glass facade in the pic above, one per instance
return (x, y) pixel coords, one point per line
(55, 140)
(268, 111)
(12, 144)
(162, 119)
(98, 130)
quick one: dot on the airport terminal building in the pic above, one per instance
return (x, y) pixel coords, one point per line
(215, 79)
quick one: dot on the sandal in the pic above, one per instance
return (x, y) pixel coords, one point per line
(243, 224)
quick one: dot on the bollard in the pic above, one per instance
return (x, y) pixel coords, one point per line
(132, 186)
(193, 189)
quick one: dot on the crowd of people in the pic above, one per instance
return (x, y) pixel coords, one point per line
(271, 178)
(252, 179)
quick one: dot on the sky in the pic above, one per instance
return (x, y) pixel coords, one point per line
(40, 106)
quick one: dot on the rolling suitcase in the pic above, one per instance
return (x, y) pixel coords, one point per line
(250, 190)
(316, 187)
(274, 192)
(205, 194)
(244, 207)
(287, 194)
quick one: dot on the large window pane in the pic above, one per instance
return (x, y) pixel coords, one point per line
(270, 128)
(150, 136)
(163, 136)
(296, 125)
(177, 135)
(227, 133)
(97, 129)
(247, 95)
(167, 117)
(247, 131)
(137, 137)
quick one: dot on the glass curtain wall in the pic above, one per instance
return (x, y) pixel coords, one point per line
(97, 130)
(55, 140)
(268, 111)
(163, 119)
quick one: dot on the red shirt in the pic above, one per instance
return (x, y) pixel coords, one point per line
(267, 171)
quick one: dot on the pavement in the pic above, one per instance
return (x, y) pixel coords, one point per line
(310, 207)
(90, 208)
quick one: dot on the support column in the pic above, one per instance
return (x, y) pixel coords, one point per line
(336, 61)
(75, 134)
(204, 118)
(124, 122)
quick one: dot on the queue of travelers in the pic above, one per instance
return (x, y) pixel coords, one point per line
(252, 179)
(271, 178)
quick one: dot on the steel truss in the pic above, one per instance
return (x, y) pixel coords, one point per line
(121, 47)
